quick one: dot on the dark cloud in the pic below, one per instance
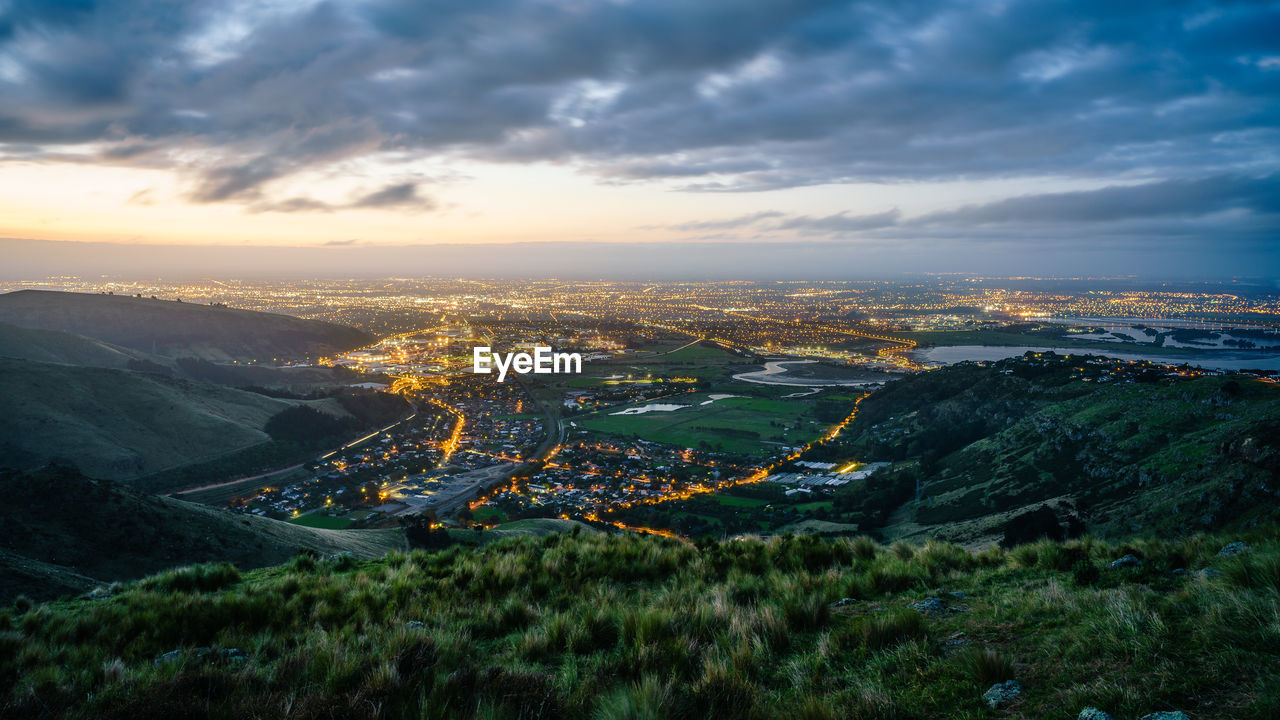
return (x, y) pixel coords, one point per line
(402, 195)
(297, 204)
(1171, 198)
(840, 223)
(1243, 207)
(722, 95)
(240, 181)
(725, 224)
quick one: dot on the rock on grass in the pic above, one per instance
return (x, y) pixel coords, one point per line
(1002, 694)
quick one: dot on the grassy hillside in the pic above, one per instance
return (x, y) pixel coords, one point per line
(120, 424)
(63, 533)
(1119, 451)
(619, 627)
(175, 329)
(64, 348)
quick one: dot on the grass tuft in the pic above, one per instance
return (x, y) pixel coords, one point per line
(894, 628)
(987, 667)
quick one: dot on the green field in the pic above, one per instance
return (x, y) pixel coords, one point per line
(747, 425)
(488, 514)
(758, 423)
(710, 365)
(735, 501)
(529, 527)
(704, 363)
(324, 522)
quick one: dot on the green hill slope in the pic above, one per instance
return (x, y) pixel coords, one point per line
(119, 424)
(1119, 452)
(175, 329)
(63, 533)
(64, 348)
(614, 627)
(52, 346)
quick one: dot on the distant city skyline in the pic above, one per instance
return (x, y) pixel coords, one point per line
(660, 139)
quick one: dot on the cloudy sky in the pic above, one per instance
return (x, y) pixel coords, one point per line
(893, 134)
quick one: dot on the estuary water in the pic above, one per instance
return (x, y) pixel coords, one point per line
(1217, 360)
(775, 373)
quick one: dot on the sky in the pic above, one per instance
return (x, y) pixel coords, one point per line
(640, 137)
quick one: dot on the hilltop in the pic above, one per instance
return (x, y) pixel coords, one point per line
(61, 532)
(615, 627)
(120, 424)
(177, 329)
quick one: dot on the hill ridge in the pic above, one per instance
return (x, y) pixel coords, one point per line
(176, 329)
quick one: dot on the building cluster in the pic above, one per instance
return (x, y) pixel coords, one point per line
(593, 474)
(827, 475)
(351, 481)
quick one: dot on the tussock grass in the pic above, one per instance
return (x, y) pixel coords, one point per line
(643, 627)
(988, 667)
(887, 630)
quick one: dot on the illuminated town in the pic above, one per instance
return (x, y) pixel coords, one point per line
(673, 403)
